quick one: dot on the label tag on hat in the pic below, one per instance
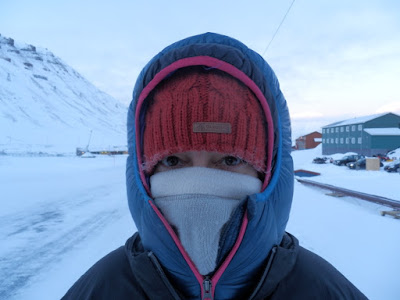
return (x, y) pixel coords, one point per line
(212, 127)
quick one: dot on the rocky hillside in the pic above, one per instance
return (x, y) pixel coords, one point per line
(46, 106)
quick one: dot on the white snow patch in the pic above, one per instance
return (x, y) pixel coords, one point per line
(382, 131)
(357, 120)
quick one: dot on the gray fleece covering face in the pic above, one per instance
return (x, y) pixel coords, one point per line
(197, 202)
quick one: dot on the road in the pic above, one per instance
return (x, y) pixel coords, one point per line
(35, 239)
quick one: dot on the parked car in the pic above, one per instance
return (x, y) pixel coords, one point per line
(347, 159)
(360, 164)
(393, 166)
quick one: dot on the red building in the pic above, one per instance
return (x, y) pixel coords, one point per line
(308, 141)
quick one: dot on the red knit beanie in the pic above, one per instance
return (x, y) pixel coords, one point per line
(196, 109)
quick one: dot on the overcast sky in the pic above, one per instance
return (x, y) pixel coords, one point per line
(334, 59)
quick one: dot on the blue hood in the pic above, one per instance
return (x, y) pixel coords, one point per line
(267, 212)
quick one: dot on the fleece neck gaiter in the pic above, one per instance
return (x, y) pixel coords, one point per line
(197, 202)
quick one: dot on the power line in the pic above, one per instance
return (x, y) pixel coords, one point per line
(284, 17)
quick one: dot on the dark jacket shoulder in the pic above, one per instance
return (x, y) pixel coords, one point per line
(128, 272)
(312, 277)
(110, 278)
(292, 272)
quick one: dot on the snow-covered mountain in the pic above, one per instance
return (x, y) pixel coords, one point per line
(45, 105)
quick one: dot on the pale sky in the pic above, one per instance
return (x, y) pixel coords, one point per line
(334, 59)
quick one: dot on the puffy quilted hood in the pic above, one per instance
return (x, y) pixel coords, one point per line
(264, 215)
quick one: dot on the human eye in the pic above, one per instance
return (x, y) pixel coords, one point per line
(231, 161)
(170, 161)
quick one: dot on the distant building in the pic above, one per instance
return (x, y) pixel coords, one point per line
(308, 141)
(367, 135)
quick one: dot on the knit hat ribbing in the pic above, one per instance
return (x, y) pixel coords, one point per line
(224, 112)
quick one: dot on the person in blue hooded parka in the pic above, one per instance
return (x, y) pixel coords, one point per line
(210, 184)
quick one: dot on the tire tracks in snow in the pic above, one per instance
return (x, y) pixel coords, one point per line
(21, 265)
(37, 239)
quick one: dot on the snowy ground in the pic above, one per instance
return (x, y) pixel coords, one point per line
(348, 232)
(58, 216)
(61, 214)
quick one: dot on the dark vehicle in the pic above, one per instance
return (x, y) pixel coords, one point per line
(347, 159)
(320, 160)
(394, 166)
(360, 164)
(382, 157)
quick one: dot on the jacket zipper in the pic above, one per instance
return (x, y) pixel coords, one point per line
(207, 287)
(207, 283)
